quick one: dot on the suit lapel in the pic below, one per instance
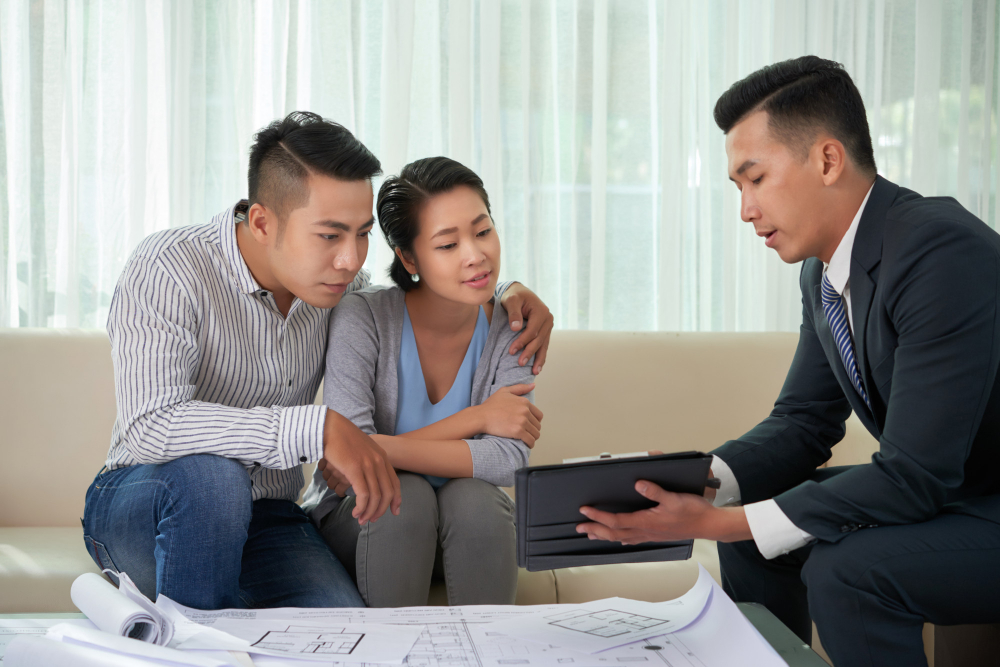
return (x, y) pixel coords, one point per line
(866, 255)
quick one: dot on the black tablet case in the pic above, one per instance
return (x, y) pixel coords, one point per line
(549, 498)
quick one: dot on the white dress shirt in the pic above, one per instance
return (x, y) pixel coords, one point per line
(772, 530)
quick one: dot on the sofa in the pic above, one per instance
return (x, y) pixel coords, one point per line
(600, 392)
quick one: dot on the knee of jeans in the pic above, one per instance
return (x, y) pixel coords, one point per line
(217, 487)
(472, 504)
(419, 506)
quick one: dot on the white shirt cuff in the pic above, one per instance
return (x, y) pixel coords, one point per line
(773, 531)
(729, 492)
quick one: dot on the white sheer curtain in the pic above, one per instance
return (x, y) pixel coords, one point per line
(589, 120)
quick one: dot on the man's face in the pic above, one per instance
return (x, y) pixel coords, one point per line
(324, 243)
(780, 193)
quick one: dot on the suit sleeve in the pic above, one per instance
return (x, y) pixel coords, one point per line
(942, 301)
(806, 421)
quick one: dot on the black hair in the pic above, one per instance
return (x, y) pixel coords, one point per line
(287, 151)
(401, 197)
(801, 97)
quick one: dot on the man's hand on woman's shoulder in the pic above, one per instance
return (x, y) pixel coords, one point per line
(523, 305)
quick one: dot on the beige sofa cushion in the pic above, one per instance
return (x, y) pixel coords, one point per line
(624, 392)
(57, 407)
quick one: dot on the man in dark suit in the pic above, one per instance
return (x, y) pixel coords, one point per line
(900, 323)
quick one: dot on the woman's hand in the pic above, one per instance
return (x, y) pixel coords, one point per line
(508, 414)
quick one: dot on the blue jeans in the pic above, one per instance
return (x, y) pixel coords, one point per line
(189, 530)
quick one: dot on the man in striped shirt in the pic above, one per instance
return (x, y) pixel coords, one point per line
(218, 338)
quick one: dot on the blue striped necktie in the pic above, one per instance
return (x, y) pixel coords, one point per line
(836, 315)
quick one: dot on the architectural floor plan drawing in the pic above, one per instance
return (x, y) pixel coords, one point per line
(297, 639)
(604, 623)
(478, 636)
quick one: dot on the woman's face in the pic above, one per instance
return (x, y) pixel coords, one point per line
(456, 251)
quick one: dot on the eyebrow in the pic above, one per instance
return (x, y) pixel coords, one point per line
(333, 224)
(746, 165)
(452, 230)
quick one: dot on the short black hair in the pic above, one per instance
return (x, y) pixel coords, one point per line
(401, 197)
(287, 151)
(801, 97)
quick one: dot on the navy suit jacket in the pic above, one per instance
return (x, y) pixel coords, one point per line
(925, 291)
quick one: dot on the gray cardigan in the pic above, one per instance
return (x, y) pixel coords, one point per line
(360, 383)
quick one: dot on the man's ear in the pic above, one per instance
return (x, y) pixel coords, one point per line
(262, 223)
(833, 158)
(408, 262)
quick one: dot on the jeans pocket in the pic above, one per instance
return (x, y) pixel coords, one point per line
(100, 555)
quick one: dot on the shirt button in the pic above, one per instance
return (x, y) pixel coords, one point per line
(256, 464)
(303, 459)
(289, 383)
(263, 293)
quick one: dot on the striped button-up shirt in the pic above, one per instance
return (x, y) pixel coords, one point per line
(205, 363)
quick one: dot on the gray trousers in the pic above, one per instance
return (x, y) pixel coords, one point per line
(462, 532)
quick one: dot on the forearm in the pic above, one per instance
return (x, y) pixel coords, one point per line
(272, 437)
(442, 458)
(729, 524)
(463, 424)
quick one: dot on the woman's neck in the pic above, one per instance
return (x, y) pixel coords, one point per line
(443, 317)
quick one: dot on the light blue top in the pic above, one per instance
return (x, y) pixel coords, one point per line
(414, 409)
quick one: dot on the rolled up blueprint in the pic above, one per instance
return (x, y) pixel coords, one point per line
(122, 611)
(34, 651)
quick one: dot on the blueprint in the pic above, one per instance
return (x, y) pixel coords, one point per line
(304, 639)
(305, 634)
(593, 627)
(473, 637)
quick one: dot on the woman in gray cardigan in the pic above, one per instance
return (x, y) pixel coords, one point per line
(423, 368)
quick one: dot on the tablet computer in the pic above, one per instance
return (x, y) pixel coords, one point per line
(549, 500)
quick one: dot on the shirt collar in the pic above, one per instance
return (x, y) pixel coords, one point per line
(838, 271)
(227, 222)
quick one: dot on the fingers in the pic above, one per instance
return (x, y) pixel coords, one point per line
(520, 389)
(654, 452)
(597, 531)
(540, 356)
(535, 411)
(653, 491)
(535, 423)
(361, 494)
(341, 489)
(397, 491)
(529, 339)
(609, 519)
(386, 487)
(514, 304)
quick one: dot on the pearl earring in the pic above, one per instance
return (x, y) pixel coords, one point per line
(415, 277)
